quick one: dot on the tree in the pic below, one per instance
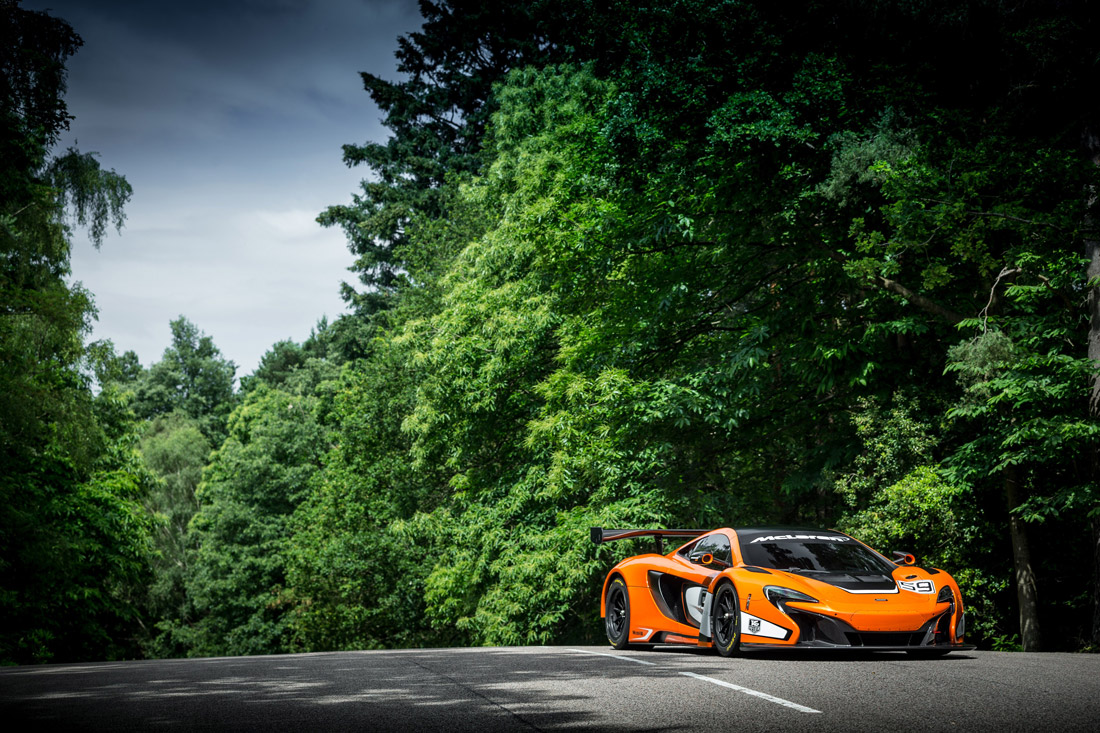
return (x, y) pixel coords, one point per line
(43, 319)
(74, 540)
(192, 377)
(437, 117)
(359, 549)
(251, 487)
(361, 542)
(175, 451)
(301, 367)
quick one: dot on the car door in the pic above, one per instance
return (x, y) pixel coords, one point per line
(685, 595)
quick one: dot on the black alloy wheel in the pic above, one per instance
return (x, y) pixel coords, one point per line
(617, 614)
(726, 621)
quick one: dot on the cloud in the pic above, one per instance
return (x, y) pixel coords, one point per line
(197, 75)
(228, 119)
(248, 279)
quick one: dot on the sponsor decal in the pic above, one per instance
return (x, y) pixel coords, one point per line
(762, 627)
(781, 537)
(917, 586)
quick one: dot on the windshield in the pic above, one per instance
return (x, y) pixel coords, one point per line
(832, 555)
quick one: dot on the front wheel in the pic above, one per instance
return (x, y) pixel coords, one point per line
(725, 620)
(617, 614)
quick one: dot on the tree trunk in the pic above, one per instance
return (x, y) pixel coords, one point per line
(1092, 252)
(1096, 583)
(1092, 275)
(1026, 591)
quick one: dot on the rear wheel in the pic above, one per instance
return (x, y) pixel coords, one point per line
(617, 614)
(725, 620)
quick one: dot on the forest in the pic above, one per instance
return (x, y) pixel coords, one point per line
(830, 263)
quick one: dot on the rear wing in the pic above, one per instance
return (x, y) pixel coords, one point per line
(601, 535)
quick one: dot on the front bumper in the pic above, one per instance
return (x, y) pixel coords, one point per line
(818, 631)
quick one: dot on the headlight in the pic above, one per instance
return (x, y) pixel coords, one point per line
(778, 595)
(945, 596)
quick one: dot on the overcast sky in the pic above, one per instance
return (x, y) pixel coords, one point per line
(226, 117)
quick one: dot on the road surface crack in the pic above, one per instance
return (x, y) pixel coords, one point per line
(478, 694)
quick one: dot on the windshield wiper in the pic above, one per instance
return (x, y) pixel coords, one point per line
(804, 570)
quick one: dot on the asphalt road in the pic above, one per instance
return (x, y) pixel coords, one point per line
(561, 688)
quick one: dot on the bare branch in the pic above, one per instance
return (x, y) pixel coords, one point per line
(1005, 272)
(1065, 298)
(897, 288)
(917, 299)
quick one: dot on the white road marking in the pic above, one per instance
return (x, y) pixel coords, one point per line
(754, 693)
(613, 656)
(720, 683)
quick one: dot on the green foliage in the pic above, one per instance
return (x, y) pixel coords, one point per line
(252, 485)
(1031, 405)
(77, 543)
(927, 514)
(360, 545)
(899, 498)
(35, 47)
(192, 377)
(300, 368)
(893, 443)
(74, 537)
(436, 117)
(175, 451)
(92, 196)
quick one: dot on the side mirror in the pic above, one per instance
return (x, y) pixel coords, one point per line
(708, 559)
(904, 558)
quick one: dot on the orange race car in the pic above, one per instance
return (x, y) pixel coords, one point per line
(778, 588)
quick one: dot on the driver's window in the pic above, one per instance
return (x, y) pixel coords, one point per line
(718, 546)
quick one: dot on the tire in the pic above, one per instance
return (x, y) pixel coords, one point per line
(725, 621)
(617, 614)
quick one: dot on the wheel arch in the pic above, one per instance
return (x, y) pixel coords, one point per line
(607, 584)
(723, 577)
